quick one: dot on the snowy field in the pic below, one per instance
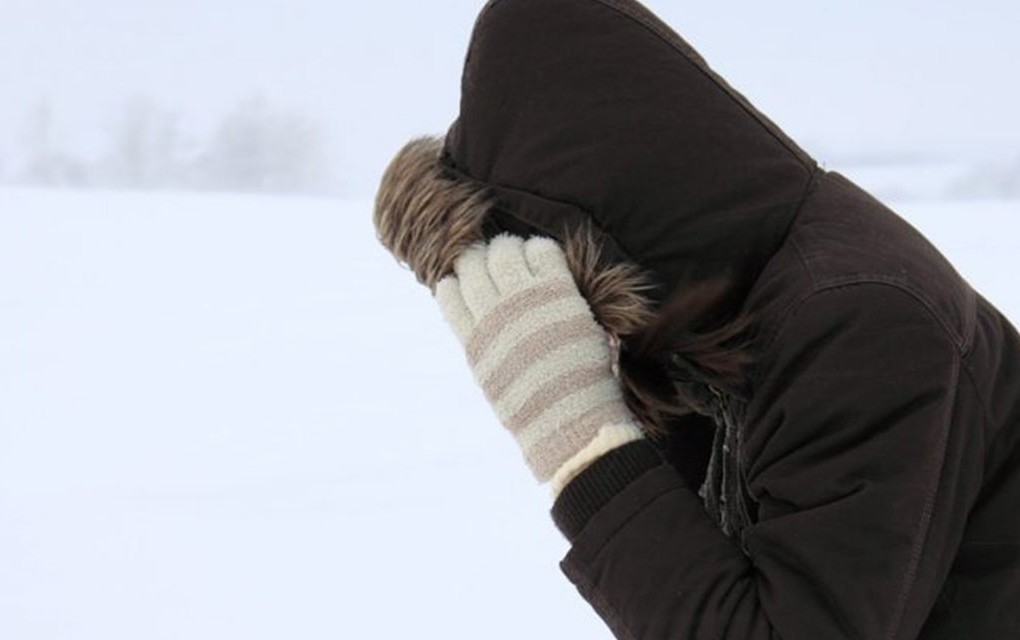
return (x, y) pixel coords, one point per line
(235, 417)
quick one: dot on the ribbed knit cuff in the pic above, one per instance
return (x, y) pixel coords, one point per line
(608, 438)
(586, 494)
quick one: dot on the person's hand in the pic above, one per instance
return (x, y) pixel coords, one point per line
(535, 348)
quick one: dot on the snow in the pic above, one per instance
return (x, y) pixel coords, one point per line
(227, 416)
(230, 416)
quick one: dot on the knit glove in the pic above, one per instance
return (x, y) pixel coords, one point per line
(536, 350)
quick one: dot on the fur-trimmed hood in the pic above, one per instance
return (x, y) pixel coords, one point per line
(426, 218)
(595, 112)
(592, 122)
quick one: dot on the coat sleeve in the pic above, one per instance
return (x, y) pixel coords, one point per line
(860, 455)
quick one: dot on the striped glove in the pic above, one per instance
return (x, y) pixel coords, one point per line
(533, 344)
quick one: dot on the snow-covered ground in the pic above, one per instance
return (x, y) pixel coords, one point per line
(235, 417)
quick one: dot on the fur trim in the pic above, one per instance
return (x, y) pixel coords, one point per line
(427, 220)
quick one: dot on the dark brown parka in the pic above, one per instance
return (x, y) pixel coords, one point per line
(863, 482)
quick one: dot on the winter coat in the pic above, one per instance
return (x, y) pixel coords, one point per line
(867, 484)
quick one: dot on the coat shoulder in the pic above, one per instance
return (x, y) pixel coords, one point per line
(843, 236)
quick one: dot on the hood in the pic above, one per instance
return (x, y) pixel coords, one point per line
(595, 112)
(427, 218)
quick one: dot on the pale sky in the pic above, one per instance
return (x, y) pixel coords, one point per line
(867, 78)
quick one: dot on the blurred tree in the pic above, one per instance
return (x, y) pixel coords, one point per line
(260, 148)
(254, 148)
(45, 164)
(146, 149)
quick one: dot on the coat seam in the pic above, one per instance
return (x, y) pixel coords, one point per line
(921, 535)
(605, 607)
(798, 250)
(812, 182)
(590, 585)
(929, 505)
(969, 323)
(594, 553)
(963, 340)
(959, 342)
(985, 405)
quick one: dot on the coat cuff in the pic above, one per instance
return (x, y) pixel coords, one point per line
(594, 487)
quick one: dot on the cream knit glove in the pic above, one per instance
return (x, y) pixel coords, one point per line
(537, 352)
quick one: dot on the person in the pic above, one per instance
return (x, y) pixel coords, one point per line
(766, 405)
